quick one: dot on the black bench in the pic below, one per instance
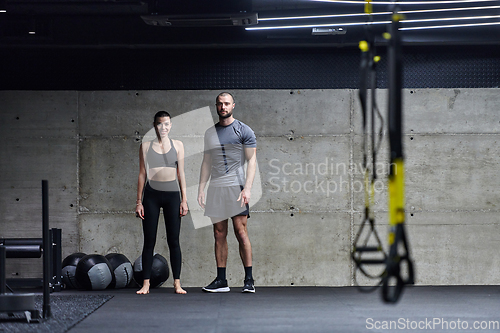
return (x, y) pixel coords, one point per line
(48, 247)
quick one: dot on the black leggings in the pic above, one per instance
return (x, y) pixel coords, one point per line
(170, 202)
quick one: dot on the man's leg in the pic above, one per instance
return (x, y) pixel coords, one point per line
(220, 236)
(241, 232)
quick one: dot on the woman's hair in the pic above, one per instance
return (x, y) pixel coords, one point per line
(161, 114)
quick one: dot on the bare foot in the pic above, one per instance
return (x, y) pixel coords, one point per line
(178, 288)
(145, 288)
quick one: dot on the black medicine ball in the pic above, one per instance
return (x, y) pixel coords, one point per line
(94, 272)
(159, 271)
(69, 270)
(121, 268)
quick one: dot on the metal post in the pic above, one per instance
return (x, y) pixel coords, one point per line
(2, 270)
(56, 259)
(46, 249)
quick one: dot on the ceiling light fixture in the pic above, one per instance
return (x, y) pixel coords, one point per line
(375, 22)
(453, 19)
(451, 26)
(328, 31)
(212, 20)
(380, 13)
(319, 16)
(445, 10)
(315, 25)
(444, 2)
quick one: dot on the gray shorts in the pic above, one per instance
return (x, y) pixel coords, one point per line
(222, 202)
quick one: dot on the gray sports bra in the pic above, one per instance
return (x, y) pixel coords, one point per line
(157, 160)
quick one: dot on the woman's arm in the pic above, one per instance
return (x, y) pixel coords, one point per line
(181, 176)
(139, 209)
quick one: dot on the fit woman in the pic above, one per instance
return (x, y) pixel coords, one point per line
(161, 163)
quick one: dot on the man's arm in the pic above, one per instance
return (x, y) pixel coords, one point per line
(251, 157)
(204, 176)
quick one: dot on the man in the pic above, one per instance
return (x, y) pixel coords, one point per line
(227, 146)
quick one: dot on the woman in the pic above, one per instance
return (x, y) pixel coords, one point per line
(161, 163)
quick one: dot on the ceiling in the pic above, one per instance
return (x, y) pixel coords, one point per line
(121, 23)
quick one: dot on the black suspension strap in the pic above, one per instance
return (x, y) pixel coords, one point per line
(367, 246)
(396, 276)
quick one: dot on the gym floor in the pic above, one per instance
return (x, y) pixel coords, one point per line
(297, 309)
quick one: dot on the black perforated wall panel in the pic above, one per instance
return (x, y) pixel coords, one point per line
(240, 68)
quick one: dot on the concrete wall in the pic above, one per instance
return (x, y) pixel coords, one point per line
(310, 206)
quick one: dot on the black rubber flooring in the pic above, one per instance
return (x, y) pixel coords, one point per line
(67, 310)
(298, 309)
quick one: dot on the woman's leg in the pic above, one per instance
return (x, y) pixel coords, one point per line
(151, 205)
(173, 227)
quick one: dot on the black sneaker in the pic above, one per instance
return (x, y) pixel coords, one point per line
(248, 287)
(217, 286)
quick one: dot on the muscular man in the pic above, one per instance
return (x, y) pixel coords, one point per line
(228, 145)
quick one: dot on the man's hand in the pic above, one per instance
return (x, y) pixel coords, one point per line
(201, 199)
(244, 197)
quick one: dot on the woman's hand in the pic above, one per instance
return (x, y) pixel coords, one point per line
(184, 208)
(139, 211)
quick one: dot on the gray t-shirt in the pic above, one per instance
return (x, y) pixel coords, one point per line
(226, 144)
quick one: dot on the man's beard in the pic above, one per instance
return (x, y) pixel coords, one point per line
(227, 115)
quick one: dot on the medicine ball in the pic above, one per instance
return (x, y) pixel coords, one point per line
(121, 268)
(69, 269)
(94, 272)
(159, 271)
